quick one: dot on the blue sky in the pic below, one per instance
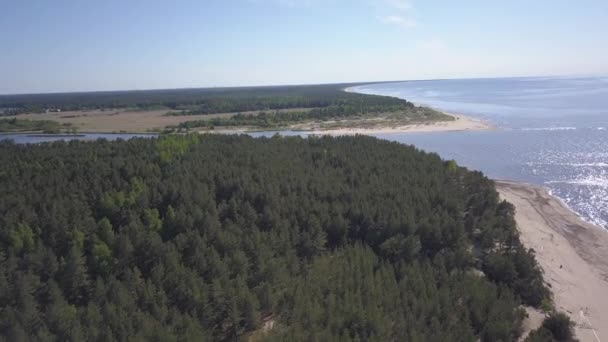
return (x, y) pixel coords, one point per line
(82, 45)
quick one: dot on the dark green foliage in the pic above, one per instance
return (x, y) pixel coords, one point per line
(540, 335)
(560, 326)
(324, 100)
(198, 101)
(213, 237)
(556, 327)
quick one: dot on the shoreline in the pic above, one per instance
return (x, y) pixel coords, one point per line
(466, 122)
(573, 254)
(460, 123)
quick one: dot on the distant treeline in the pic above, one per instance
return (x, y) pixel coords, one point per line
(224, 238)
(331, 98)
(198, 101)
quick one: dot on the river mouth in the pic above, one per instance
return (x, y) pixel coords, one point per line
(551, 132)
(37, 138)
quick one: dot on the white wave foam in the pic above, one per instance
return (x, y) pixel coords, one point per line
(598, 181)
(588, 212)
(549, 129)
(598, 164)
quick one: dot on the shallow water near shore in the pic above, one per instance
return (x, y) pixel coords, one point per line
(552, 131)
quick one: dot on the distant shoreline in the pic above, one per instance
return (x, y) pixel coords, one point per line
(572, 253)
(143, 121)
(460, 123)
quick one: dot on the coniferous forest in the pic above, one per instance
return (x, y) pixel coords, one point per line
(207, 100)
(225, 238)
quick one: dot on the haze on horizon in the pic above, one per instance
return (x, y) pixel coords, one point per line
(69, 45)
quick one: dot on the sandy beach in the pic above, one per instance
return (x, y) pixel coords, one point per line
(461, 123)
(572, 253)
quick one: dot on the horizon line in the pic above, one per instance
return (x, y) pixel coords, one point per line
(349, 84)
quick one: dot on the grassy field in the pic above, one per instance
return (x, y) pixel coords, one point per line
(46, 126)
(118, 120)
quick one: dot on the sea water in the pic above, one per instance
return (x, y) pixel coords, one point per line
(550, 131)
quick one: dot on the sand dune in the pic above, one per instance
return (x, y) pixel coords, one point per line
(572, 253)
(461, 123)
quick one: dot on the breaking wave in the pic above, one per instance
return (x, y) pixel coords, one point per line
(549, 129)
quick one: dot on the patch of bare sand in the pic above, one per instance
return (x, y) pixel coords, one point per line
(460, 123)
(572, 253)
(532, 322)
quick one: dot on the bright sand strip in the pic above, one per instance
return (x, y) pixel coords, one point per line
(572, 253)
(461, 123)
